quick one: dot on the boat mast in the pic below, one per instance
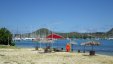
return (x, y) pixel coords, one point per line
(40, 38)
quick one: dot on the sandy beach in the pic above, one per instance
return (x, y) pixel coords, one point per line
(31, 56)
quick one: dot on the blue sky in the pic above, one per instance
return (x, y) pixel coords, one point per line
(57, 15)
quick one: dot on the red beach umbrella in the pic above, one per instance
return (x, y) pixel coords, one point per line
(54, 36)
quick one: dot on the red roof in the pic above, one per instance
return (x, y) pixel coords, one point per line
(55, 36)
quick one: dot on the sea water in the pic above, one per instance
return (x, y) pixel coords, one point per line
(105, 47)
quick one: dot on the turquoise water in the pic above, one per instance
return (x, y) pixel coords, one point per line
(106, 46)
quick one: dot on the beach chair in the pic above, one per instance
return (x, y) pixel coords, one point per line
(47, 49)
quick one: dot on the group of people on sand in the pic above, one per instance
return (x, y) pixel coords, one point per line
(67, 47)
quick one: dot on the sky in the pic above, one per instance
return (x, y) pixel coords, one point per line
(57, 15)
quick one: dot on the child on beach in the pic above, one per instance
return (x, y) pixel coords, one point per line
(68, 47)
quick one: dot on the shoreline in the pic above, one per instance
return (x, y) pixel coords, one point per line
(15, 47)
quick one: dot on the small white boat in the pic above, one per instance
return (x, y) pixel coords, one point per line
(72, 42)
(45, 40)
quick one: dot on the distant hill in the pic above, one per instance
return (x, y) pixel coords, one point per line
(38, 33)
(110, 33)
(43, 32)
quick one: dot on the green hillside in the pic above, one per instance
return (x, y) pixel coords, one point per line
(43, 32)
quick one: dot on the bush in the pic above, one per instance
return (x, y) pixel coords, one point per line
(12, 44)
(5, 37)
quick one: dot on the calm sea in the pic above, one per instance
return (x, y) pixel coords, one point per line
(106, 46)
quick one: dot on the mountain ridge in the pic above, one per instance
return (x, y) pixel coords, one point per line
(43, 32)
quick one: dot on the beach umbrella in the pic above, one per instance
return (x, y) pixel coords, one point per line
(46, 41)
(92, 43)
(54, 36)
